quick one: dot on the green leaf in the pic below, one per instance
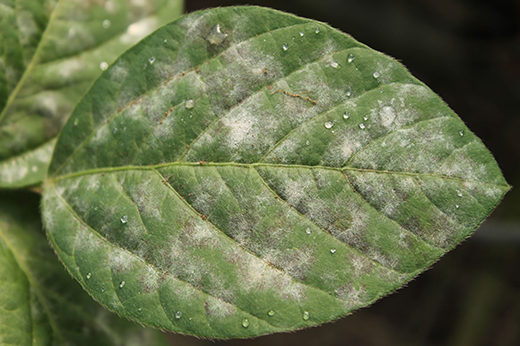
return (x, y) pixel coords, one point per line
(50, 53)
(259, 173)
(40, 303)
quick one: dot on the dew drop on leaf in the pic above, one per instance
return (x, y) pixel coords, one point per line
(124, 219)
(317, 30)
(178, 315)
(457, 206)
(285, 46)
(121, 284)
(102, 289)
(103, 66)
(376, 74)
(346, 115)
(334, 64)
(88, 275)
(306, 315)
(302, 33)
(151, 60)
(270, 313)
(350, 58)
(362, 126)
(308, 231)
(329, 124)
(459, 193)
(245, 323)
(216, 36)
(461, 133)
(190, 104)
(106, 24)
(332, 250)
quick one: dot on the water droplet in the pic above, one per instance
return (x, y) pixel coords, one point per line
(306, 315)
(114, 130)
(151, 60)
(332, 250)
(307, 142)
(178, 315)
(140, 309)
(329, 124)
(317, 30)
(334, 64)
(376, 74)
(308, 231)
(270, 313)
(362, 126)
(245, 323)
(461, 133)
(302, 33)
(76, 122)
(349, 93)
(190, 104)
(346, 115)
(350, 58)
(365, 118)
(88, 275)
(459, 193)
(124, 219)
(165, 41)
(102, 289)
(106, 24)
(122, 284)
(457, 206)
(285, 46)
(103, 66)
(216, 36)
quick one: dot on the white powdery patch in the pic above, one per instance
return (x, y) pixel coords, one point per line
(102, 136)
(47, 103)
(354, 235)
(394, 113)
(257, 275)
(347, 143)
(146, 197)
(218, 308)
(461, 165)
(293, 262)
(120, 260)
(68, 68)
(149, 278)
(351, 295)
(26, 26)
(138, 30)
(13, 170)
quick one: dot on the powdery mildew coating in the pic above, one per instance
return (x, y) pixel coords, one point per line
(243, 171)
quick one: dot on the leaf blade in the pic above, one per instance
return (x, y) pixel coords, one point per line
(237, 164)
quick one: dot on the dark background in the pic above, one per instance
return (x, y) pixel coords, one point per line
(469, 53)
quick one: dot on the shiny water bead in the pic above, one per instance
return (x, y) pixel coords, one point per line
(103, 66)
(124, 219)
(106, 24)
(306, 315)
(216, 36)
(329, 124)
(285, 46)
(245, 323)
(178, 315)
(270, 313)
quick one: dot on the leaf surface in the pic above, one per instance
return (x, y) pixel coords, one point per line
(256, 173)
(40, 303)
(50, 53)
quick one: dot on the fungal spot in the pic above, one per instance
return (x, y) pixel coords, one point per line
(88, 275)
(332, 251)
(103, 66)
(334, 64)
(121, 284)
(306, 315)
(190, 104)
(245, 323)
(346, 115)
(124, 219)
(285, 46)
(106, 24)
(329, 124)
(308, 231)
(216, 36)
(350, 58)
(317, 30)
(376, 74)
(178, 315)
(270, 313)
(362, 126)
(151, 60)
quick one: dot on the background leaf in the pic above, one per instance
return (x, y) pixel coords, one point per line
(40, 303)
(49, 60)
(259, 172)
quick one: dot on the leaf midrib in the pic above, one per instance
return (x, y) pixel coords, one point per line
(262, 164)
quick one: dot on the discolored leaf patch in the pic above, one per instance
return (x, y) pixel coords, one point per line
(243, 171)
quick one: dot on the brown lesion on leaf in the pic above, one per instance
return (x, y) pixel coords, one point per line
(295, 95)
